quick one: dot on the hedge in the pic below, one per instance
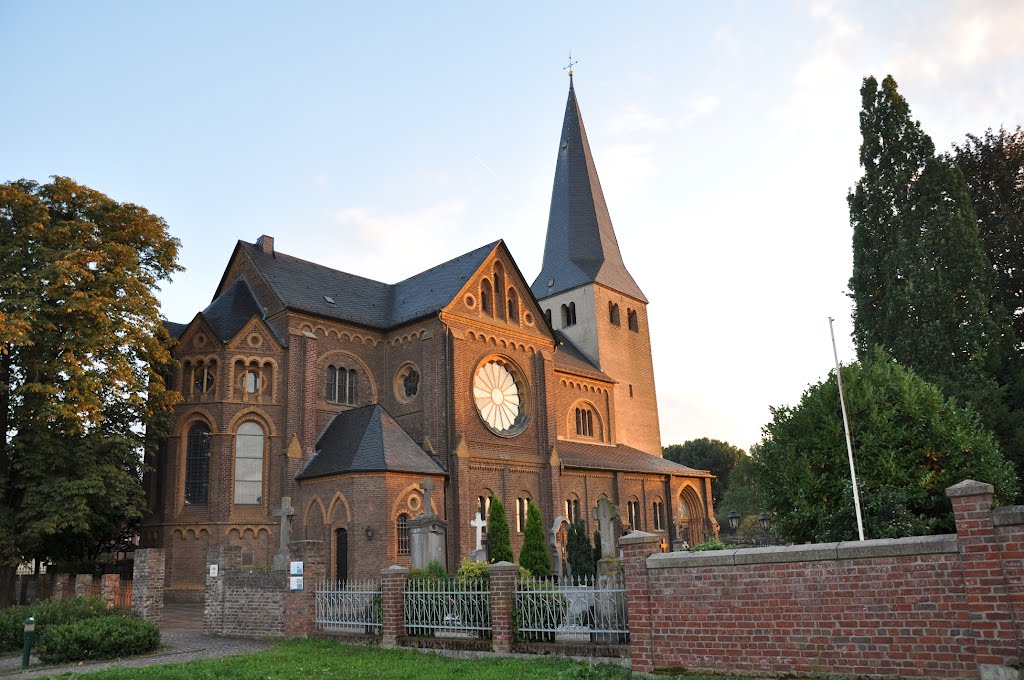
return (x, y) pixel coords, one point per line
(107, 637)
(47, 613)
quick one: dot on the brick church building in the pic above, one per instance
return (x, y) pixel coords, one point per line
(344, 394)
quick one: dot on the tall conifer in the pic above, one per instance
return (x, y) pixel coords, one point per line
(534, 555)
(497, 532)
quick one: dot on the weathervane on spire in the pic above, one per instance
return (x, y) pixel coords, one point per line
(571, 64)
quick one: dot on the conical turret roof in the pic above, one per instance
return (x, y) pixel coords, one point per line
(581, 247)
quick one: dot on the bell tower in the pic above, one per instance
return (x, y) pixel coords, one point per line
(589, 294)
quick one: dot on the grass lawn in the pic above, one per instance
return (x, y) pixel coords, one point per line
(302, 659)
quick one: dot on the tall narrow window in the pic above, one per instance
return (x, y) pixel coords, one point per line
(402, 532)
(633, 507)
(569, 314)
(197, 465)
(631, 319)
(485, 297)
(658, 512)
(572, 510)
(613, 313)
(351, 386)
(513, 306)
(249, 464)
(499, 287)
(547, 315)
(484, 506)
(584, 422)
(522, 507)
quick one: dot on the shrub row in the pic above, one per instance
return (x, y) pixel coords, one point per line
(104, 638)
(47, 613)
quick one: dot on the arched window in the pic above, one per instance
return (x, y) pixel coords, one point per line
(569, 314)
(249, 464)
(522, 510)
(484, 505)
(547, 315)
(485, 297)
(613, 313)
(499, 286)
(631, 319)
(633, 507)
(584, 422)
(658, 514)
(513, 306)
(572, 509)
(402, 534)
(197, 465)
(204, 378)
(342, 385)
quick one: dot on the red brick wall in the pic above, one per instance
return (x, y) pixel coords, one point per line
(937, 606)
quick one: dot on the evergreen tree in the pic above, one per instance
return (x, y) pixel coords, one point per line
(497, 532)
(922, 284)
(597, 547)
(580, 552)
(534, 555)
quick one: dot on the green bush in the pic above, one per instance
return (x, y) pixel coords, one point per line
(534, 555)
(106, 637)
(47, 613)
(710, 544)
(434, 571)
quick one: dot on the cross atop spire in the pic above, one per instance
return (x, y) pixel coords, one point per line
(571, 64)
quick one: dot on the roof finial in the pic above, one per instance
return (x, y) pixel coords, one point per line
(571, 64)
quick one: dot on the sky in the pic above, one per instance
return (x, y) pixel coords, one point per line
(382, 139)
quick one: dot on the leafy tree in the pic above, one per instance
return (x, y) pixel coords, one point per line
(534, 555)
(742, 495)
(993, 168)
(497, 532)
(597, 547)
(708, 454)
(922, 283)
(910, 444)
(580, 552)
(82, 353)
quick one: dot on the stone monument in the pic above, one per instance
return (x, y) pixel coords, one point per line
(558, 537)
(285, 512)
(605, 513)
(479, 554)
(427, 533)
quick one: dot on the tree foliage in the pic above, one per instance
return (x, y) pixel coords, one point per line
(82, 350)
(713, 455)
(742, 495)
(910, 444)
(534, 555)
(922, 283)
(497, 533)
(580, 552)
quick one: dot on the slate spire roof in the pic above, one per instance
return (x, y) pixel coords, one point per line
(581, 247)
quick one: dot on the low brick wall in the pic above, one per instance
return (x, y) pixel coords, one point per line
(253, 604)
(936, 606)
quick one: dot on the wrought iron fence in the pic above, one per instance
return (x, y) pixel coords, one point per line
(584, 609)
(352, 606)
(448, 607)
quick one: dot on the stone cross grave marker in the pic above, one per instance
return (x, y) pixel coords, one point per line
(478, 523)
(604, 513)
(285, 512)
(428, 487)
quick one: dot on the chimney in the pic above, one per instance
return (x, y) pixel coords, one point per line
(266, 244)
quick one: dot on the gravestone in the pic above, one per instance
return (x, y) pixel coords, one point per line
(479, 554)
(558, 538)
(427, 533)
(605, 513)
(285, 512)
(609, 570)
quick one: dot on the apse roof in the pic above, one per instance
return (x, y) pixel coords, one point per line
(602, 457)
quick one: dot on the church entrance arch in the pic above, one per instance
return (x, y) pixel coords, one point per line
(691, 522)
(341, 554)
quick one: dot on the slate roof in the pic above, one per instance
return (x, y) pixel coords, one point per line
(303, 285)
(598, 457)
(175, 329)
(367, 439)
(231, 310)
(581, 246)
(568, 357)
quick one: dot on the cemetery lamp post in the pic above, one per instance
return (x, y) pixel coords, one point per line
(734, 521)
(765, 520)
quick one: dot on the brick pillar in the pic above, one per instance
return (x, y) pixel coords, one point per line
(503, 605)
(636, 548)
(393, 604)
(82, 584)
(226, 558)
(991, 614)
(148, 584)
(111, 587)
(300, 605)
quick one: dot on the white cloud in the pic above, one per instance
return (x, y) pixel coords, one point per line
(701, 106)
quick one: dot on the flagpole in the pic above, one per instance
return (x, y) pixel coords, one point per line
(846, 427)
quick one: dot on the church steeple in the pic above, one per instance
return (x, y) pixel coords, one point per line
(581, 247)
